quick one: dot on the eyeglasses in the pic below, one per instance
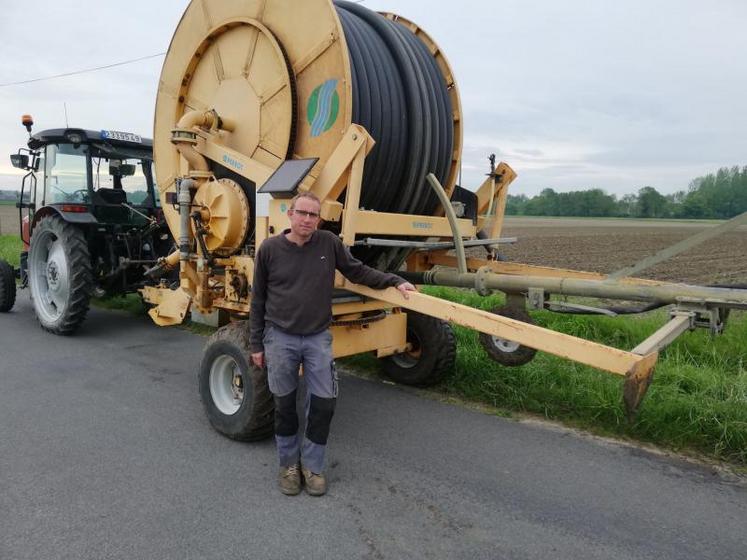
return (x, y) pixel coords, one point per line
(305, 214)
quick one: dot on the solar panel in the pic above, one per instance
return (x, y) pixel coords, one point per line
(283, 183)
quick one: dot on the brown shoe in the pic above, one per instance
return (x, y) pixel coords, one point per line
(316, 484)
(289, 480)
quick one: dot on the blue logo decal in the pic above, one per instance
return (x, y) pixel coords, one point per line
(422, 225)
(232, 162)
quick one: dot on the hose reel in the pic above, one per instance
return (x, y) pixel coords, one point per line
(292, 76)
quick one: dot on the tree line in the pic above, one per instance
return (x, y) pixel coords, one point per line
(719, 195)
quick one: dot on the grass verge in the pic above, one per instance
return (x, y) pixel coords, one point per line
(697, 401)
(10, 249)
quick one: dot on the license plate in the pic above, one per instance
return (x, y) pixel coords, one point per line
(124, 136)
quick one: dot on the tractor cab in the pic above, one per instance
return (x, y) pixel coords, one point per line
(103, 177)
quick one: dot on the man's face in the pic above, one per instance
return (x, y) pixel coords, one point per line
(304, 217)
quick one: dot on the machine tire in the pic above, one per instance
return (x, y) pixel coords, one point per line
(7, 287)
(505, 352)
(251, 417)
(432, 356)
(60, 275)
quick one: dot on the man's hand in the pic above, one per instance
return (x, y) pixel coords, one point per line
(258, 359)
(406, 287)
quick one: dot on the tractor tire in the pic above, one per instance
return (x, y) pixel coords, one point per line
(507, 352)
(235, 393)
(431, 357)
(60, 275)
(7, 287)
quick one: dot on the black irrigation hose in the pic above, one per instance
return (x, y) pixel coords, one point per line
(617, 310)
(400, 97)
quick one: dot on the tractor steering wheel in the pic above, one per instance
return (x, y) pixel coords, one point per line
(81, 195)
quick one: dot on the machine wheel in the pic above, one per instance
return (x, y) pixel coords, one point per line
(431, 357)
(7, 287)
(235, 393)
(507, 352)
(60, 275)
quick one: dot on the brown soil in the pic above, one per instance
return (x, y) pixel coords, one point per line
(608, 245)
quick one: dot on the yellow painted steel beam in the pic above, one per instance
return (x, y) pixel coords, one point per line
(235, 161)
(521, 269)
(384, 223)
(637, 369)
(506, 177)
(334, 175)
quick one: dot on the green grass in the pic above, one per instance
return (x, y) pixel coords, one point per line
(10, 249)
(697, 401)
(7, 202)
(131, 303)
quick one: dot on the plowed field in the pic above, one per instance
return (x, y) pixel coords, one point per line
(606, 245)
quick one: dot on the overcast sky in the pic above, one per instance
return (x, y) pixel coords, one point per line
(573, 94)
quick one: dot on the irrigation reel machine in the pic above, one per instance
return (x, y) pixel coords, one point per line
(261, 99)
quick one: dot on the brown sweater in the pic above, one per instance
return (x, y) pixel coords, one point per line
(293, 284)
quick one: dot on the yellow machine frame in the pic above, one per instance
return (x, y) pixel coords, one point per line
(343, 171)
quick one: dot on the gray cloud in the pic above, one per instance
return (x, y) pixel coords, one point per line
(575, 94)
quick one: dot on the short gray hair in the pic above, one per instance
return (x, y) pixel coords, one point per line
(305, 194)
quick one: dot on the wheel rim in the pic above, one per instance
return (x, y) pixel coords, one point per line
(410, 358)
(50, 277)
(226, 385)
(503, 345)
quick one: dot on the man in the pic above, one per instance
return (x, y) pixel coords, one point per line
(290, 315)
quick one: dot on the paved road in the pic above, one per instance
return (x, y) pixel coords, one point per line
(105, 453)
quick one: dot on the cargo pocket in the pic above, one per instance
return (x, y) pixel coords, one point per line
(335, 379)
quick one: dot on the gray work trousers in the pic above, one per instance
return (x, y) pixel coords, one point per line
(284, 353)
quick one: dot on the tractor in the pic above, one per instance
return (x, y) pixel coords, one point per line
(91, 224)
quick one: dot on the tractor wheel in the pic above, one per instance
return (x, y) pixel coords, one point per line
(235, 393)
(507, 352)
(60, 275)
(431, 356)
(7, 287)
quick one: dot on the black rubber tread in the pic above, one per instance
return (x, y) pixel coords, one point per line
(437, 352)
(80, 273)
(523, 354)
(255, 418)
(7, 287)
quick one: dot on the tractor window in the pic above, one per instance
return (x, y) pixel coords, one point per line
(125, 174)
(65, 178)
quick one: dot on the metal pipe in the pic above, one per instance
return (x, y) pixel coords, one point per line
(664, 293)
(436, 245)
(184, 137)
(184, 199)
(197, 118)
(164, 265)
(184, 141)
(451, 215)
